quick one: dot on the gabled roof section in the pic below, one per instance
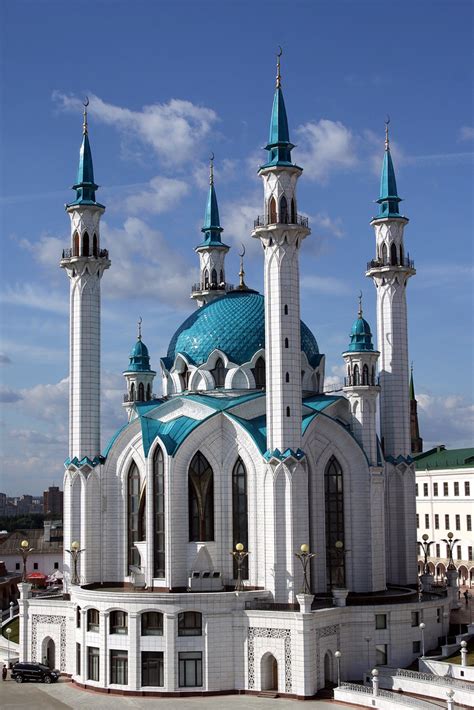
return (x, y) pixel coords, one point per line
(440, 457)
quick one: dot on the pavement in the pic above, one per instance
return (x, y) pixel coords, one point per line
(63, 695)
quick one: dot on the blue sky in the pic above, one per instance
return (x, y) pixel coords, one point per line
(170, 82)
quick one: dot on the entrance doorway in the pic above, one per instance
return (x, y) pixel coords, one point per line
(269, 672)
(328, 670)
(49, 653)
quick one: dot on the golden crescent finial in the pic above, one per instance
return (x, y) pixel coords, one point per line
(243, 252)
(211, 169)
(278, 76)
(387, 142)
(360, 305)
(242, 285)
(140, 321)
(85, 103)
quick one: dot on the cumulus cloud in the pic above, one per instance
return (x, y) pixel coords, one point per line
(35, 296)
(238, 218)
(46, 250)
(324, 147)
(9, 396)
(161, 195)
(174, 129)
(445, 419)
(333, 382)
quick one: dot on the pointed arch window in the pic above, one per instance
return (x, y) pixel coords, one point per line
(334, 514)
(365, 375)
(293, 212)
(283, 210)
(272, 211)
(219, 372)
(95, 251)
(401, 254)
(201, 499)
(184, 378)
(373, 374)
(286, 343)
(393, 255)
(206, 279)
(85, 244)
(75, 244)
(285, 310)
(148, 392)
(213, 278)
(384, 254)
(356, 375)
(287, 377)
(221, 277)
(133, 514)
(158, 514)
(132, 392)
(259, 373)
(240, 531)
(141, 392)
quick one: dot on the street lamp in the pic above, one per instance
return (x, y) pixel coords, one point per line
(337, 655)
(339, 553)
(304, 556)
(8, 632)
(450, 543)
(25, 550)
(239, 555)
(425, 545)
(368, 640)
(75, 551)
(422, 629)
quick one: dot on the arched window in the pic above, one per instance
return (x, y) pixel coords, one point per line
(373, 374)
(213, 278)
(286, 343)
(283, 210)
(93, 620)
(219, 373)
(287, 411)
(94, 246)
(190, 623)
(148, 392)
(285, 310)
(118, 622)
(184, 378)
(75, 243)
(132, 392)
(206, 279)
(293, 212)
(201, 499)
(221, 277)
(240, 531)
(393, 255)
(133, 511)
(365, 375)
(158, 514)
(401, 254)
(287, 377)
(259, 373)
(152, 623)
(272, 211)
(356, 375)
(141, 392)
(85, 244)
(384, 254)
(334, 507)
(349, 378)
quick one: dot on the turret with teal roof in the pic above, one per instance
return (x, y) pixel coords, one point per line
(279, 145)
(388, 199)
(85, 185)
(139, 375)
(361, 336)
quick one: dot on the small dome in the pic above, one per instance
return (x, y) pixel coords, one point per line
(234, 324)
(361, 336)
(139, 358)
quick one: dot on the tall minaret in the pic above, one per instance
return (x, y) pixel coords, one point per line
(390, 271)
(416, 440)
(85, 262)
(211, 251)
(281, 231)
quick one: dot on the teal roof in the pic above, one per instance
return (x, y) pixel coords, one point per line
(234, 324)
(441, 457)
(85, 186)
(361, 337)
(388, 199)
(279, 145)
(139, 358)
(212, 226)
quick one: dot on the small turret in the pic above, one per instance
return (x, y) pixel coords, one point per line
(139, 375)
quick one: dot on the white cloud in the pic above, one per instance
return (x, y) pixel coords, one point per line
(238, 218)
(46, 250)
(324, 284)
(161, 195)
(325, 146)
(445, 419)
(174, 129)
(225, 170)
(34, 296)
(335, 380)
(466, 133)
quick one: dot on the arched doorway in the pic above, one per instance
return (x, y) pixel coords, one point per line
(48, 653)
(269, 672)
(328, 670)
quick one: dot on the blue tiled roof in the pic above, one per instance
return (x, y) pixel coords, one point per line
(234, 324)
(361, 336)
(139, 358)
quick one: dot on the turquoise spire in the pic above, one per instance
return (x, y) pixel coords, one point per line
(361, 337)
(85, 186)
(279, 145)
(212, 226)
(139, 357)
(388, 199)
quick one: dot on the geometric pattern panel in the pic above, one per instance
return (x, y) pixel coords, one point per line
(261, 632)
(49, 619)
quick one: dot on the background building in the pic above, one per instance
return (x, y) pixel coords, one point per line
(53, 502)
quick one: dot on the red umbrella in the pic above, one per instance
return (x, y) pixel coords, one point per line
(37, 578)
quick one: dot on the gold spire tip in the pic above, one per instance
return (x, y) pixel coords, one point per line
(85, 103)
(140, 321)
(278, 76)
(359, 314)
(387, 142)
(242, 272)
(211, 169)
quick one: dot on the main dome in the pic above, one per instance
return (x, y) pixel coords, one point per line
(234, 324)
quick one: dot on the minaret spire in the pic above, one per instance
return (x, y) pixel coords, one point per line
(416, 440)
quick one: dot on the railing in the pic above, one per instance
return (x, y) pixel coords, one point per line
(223, 286)
(69, 254)
(270, 606)
(128, 398)
(377, 263)
(361, 382)
(298, 219)
(6, 612)
(432, 678)
(395, 699)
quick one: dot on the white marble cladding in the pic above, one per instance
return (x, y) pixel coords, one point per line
(363, 401)
(211, 259)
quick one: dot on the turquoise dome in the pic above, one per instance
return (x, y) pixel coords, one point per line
(139, 358)
(361, 336)
(235, 324)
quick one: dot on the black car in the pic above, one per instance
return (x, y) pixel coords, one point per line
(33, 671)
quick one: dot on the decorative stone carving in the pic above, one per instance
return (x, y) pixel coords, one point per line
(256, 631)
(56, 621)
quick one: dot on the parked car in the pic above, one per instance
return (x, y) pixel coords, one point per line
(33, 671)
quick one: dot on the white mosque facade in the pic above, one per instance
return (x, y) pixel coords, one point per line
(242, 449)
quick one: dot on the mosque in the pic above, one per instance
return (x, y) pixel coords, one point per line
(245, 530)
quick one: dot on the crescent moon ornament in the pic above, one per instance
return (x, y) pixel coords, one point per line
(86, 102)
(280, 51)
(387, 120)
(243, 252)
(211, 157)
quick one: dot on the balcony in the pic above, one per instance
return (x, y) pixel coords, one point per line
(127, 398)
(380, 263)
(68, 254)
(298, 219)
(361, 382)
(223, 286)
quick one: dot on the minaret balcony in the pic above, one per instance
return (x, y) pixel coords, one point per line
(298, 220)
(222, 287)
(361, 382)
(405, 263)
(69, 254)
(127, 399)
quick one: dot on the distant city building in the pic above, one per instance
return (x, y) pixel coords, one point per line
(53, 501)
(47, 544)
(8, 586)
(444, 503)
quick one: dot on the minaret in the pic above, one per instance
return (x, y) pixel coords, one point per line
(139, 375)
(85, 262)
(211, 251)
(416, 440)
(281, 231)
(390, 271)
(361, 385)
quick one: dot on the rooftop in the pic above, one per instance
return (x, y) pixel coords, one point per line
(440, 458)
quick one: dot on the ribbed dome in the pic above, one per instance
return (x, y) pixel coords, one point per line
(234, 324)
(139, 358)
(361, 336)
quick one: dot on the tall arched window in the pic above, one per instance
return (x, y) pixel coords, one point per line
(85, 244)
(365, 375)
(158, 514)
(285, 310)
(141, 392)
(201, 499)
(286, 343)
(287, 377)
(240, 532)
(393, 255)
(283, 210)
(133, 512)
(206, 279)
(293, 212)
(148, 392)
(272, 211)
(94, 246)
(334, 507)
(213, 278)
(221, 277)
(373, 374)
(356, 375)
(401, 254)
(219, 373)
(384, 254)
(75, 242)
(259, 373)
(132, 392)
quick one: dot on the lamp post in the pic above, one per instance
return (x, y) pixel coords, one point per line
(337, 655)
(368, 640)
(450, 543)
(450, 696)
(304, 556)
(25, 550)
(8, 632)
(239, 555)
(425, 545)
(75, 552)
(422, 629)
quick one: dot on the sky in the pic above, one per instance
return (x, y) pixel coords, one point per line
(171, 82)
